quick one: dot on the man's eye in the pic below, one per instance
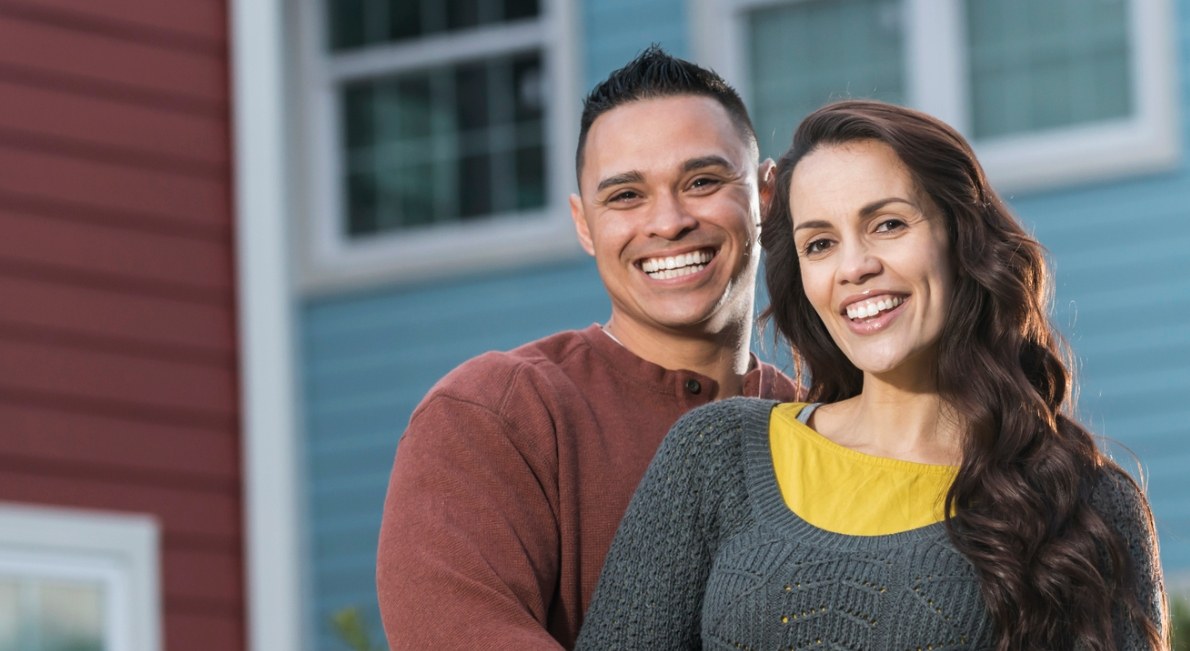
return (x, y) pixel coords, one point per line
(623, 196)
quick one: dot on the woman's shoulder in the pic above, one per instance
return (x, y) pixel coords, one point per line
(709, 430)
(1115, 492)
(1122, 504)
(729, 413)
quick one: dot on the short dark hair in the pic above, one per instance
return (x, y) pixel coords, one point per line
(653, 74)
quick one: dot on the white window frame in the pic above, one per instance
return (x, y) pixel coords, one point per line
(330, 260)
(1147, 141)
(118, 551)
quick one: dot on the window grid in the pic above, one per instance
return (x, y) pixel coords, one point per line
(447, 144)
(449, 139)
(1044, 65)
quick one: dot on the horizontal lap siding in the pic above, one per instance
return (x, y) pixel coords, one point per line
(1122, 282)
(367, 361)
(117, 340)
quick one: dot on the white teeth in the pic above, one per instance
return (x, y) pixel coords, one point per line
(677, 265)
(870, 308)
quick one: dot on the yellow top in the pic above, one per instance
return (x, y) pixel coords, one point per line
(838, 489)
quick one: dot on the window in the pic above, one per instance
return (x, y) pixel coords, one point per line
(439, 136)
(76, 581)
(1049, 92)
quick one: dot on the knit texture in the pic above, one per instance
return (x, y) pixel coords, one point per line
(709, 556)
(510, 481)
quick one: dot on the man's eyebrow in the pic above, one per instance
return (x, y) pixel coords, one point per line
(620, 179)
(706, 161)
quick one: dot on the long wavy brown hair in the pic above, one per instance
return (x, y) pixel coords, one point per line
(1050, 567)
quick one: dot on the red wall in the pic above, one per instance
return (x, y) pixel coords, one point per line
(117, 323)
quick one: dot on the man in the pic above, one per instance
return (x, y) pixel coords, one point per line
(517, 467)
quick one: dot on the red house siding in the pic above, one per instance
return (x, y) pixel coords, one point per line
(118, 360)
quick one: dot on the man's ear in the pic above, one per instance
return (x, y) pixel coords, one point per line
(766, 184)
(580, 224)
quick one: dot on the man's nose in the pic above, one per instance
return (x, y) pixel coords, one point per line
(669, 218)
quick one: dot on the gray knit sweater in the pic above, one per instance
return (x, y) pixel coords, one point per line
(709, 556)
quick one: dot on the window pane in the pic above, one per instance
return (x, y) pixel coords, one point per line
(346, 23)
(51, 615)
(10, 615)
(471, 101)
(804, 54)
(359, 23)
(71, 616)
(518, 9)
(1044, 64)
(461, 14)
(404, 20)
(441, 145)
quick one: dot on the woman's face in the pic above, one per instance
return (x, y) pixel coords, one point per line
(874, 257)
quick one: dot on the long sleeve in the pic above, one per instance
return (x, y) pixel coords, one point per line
(468, 553)
(651, 589)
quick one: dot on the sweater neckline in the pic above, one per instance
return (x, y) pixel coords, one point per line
(770, 509)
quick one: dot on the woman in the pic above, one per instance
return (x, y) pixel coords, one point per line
(937, 494)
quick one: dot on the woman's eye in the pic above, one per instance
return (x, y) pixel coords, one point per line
(889, 225)
(814, 247)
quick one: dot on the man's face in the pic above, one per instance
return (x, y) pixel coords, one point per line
(670, 210)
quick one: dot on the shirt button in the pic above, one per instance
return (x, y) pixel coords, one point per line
(693, 386)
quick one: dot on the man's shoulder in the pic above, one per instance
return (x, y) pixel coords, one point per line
(486, 377)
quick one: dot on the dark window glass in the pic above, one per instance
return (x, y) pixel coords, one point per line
(530, 177)
(360, 23)
(444, 144)
(471, 96)
(404, 20)
(346, 23)
(461, 14)
(517, 9)
(475, 186)
(527, 84)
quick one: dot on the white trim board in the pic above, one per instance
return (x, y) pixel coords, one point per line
(265, 311)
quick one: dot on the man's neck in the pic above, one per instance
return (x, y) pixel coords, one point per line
(723, 356)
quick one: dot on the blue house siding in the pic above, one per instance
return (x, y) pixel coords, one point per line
(368, 359)
(1119, 252)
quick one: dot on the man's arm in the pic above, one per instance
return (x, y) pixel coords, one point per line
(468, 554)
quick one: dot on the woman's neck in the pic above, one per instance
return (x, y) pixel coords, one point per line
(897, 422)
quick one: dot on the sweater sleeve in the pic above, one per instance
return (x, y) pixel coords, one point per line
(651, 588)
(468, 550)
(1124, 507)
